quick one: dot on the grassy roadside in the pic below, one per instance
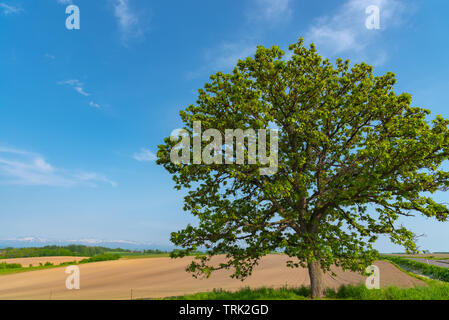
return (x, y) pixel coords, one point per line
(435, 291)
(417, 267)
(249, 294)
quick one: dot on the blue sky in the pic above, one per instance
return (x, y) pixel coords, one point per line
(82, 111)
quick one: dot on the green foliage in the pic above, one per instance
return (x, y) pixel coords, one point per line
(5, 265)
(432, 292)
(249, 294)
(429, 270)
(141, 254)
(177, 252)
(101, 257)
(154, 251)
(68, 263)
(347, 142)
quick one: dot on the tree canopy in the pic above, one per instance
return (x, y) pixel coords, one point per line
(353, 157)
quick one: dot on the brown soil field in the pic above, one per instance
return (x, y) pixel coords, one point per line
(25, 262)
(163, 277)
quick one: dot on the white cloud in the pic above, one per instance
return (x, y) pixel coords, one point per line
(49, 56)
(271, 11)
(76, 85)
(224, 57)
(80, 90)
(94, 105)
(125, 16)
(21, 167)
(128, 20)
(8, 9)
(79, 87)
(227, 54)
(65, 1)
(145, 155)
(345, 31)
(89, 177)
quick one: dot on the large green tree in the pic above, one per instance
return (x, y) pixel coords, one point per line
(354, 157)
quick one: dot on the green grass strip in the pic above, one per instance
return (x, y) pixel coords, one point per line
(431, 271)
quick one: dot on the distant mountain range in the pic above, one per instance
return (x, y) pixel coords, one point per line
(26, 242)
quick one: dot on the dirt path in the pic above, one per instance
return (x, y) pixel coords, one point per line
(162, 277)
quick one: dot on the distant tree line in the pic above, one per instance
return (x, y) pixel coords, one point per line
(152, 251)
(56, 251)
(75, 250)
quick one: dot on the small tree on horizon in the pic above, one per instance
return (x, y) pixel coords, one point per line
(353, 157)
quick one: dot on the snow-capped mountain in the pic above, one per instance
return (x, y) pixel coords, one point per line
(30, 241)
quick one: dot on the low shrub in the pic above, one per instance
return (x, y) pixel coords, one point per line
(5, 265)
(101, 257)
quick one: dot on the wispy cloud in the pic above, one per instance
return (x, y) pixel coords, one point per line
(223, 57)
(91, 178)
(271, 11)
(79, 87)
(145, 155)
(128, 21)
(226, 55)
(65, 1)
(76, 85)
(9, 9)
(94, 105)
(49, 56)
(345, 31)
(20, 167)
(261, 14)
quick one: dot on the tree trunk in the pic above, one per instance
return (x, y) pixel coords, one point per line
(317, 288)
